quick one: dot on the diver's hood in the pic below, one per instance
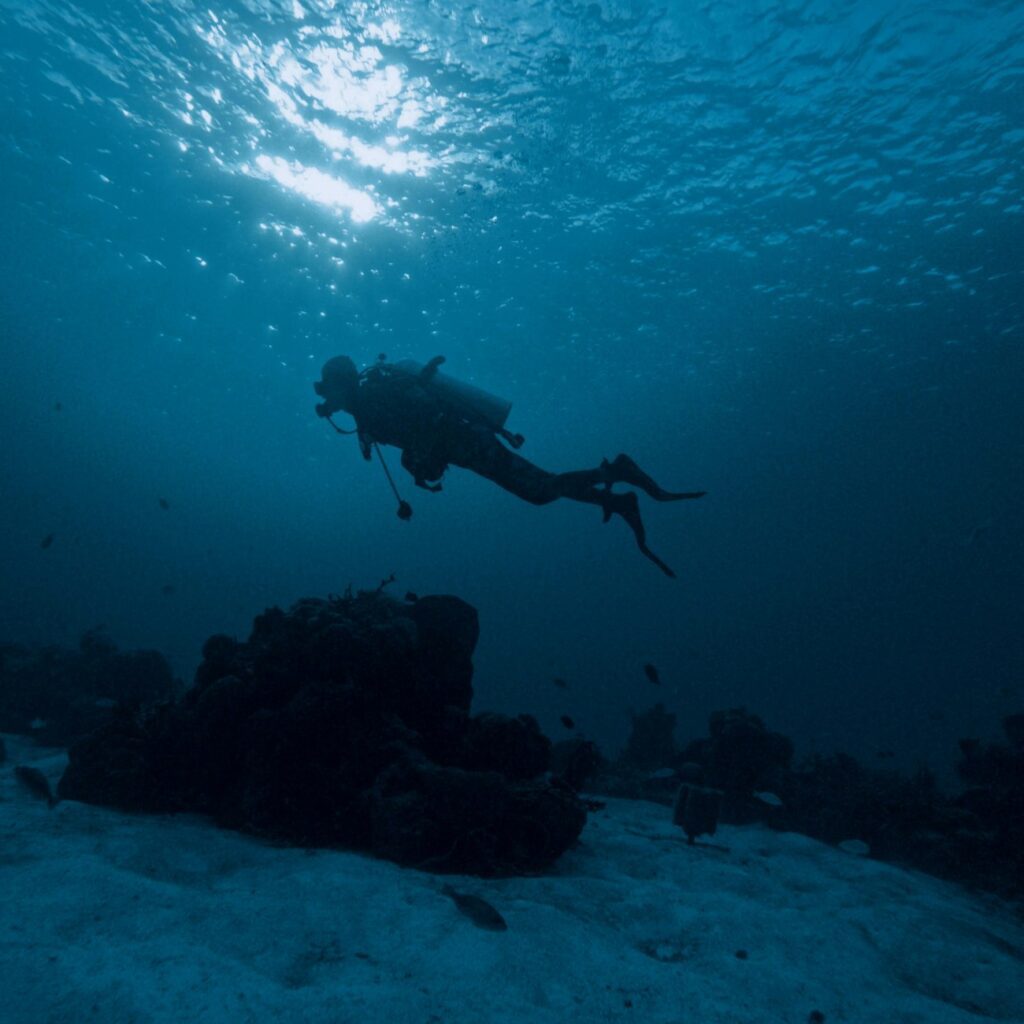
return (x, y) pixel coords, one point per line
(338, 382)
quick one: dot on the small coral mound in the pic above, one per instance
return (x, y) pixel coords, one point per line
(58, 695)
(740, 756)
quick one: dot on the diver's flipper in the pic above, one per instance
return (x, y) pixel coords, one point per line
(625, 471)
(628, 506)
(657, 561)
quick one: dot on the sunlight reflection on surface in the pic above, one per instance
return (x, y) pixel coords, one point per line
(689, 138)
(341, 93)
(316, 185)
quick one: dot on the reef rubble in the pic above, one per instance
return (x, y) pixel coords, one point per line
(974, 836)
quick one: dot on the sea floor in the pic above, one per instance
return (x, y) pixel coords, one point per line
(120, 918)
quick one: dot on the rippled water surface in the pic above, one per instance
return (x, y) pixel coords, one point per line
(853, 156)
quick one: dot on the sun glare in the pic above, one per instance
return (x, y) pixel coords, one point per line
(316, 185)
(332, 84)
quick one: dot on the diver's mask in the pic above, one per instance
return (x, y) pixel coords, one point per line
(327, 407)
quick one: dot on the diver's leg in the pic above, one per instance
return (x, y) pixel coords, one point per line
(484, 455)
(623, 470)
(490, 459)
(577, 483)
(522, 478)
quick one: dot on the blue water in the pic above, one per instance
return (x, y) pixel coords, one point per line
(771, 249)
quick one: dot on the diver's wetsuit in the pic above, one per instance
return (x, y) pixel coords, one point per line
(399, 409)
(393, 407)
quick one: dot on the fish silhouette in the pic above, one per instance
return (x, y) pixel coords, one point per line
(478, 910)
(35, 782)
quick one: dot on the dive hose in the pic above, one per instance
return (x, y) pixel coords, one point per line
(404, 508)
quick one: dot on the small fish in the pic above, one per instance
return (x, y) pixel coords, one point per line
(937, 716)
(37, 723)
(106, 703)
(1006, 692)
(560, 683)
(47, 540)
(885, 754)
(164, 504)
(662, 775)
(856, 847)
(35, 782)
(652, 673)
(167, 589)
(57, 407)
(771, 799)
(411, 597)
(478, 910)
(567, 722)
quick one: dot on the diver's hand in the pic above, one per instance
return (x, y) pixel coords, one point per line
(433, 488)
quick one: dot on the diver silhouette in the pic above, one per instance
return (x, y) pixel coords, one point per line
(437, 421)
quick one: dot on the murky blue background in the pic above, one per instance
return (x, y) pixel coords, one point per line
(771, 249)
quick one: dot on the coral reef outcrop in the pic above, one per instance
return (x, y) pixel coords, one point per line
(344, 722)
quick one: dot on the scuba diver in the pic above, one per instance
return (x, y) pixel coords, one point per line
(437, 421)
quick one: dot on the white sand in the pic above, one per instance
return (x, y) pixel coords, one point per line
(115, 918)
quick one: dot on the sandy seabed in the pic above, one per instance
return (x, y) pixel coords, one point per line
(120, 918)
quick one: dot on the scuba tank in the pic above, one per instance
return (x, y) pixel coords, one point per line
(472, 402)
